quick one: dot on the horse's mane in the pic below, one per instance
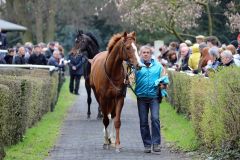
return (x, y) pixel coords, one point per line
(115, 38)
(89, 34)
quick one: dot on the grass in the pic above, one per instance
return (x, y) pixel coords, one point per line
(177, 129)
(39, 139)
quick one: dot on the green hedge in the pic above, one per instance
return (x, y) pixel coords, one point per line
(4, 100)
(26, 96)
(213, 105)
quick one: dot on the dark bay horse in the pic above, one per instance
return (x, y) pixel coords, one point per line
(107, 79)
(87, 45)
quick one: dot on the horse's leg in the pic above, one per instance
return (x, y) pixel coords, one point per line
(106, 136)
(112, 131)
(89, 99)
(117, 122)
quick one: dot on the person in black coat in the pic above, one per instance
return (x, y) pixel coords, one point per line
(37, 57)
(76, 71)
(20, 59)
(50, 50)
(9, 57)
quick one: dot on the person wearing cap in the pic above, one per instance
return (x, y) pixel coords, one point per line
(147, 92)
(37, 57)
(199, 39)
(49, 51)
(188, 42)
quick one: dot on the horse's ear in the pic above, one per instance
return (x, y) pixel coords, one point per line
(134, 34)
(125, 36)
(79, 32)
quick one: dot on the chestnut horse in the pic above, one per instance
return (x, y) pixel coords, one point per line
(107, 79)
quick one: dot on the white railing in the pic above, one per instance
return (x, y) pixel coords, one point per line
(29, 66)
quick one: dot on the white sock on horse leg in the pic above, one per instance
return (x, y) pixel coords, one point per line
(112, 132)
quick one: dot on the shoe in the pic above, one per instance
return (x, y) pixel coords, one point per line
(156, 148)
(147, 149)
(76, 93)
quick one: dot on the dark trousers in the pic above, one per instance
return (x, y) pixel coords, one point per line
(144, 106)
(72, 87)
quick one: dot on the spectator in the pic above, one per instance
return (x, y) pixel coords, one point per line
(54, 60)
(214, 62)
(49, 51)
(2, 60)
(172, 58)
(37, 57)
(212, 41)
(20, 59)
(183, 61)
(9, 57)
(147, 99)
(199, 39)
(194, 57)
(76, 71)
(205, 58)
(231, 48)
(28, 48)
(228, 60)
(3, 40)
(188, 42)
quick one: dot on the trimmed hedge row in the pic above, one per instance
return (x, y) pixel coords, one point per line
(212, 104)
(25, 95)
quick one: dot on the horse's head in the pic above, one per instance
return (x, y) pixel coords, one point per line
(86, 43)
(129, 52)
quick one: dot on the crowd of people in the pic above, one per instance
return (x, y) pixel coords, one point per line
(47, 54)
(40, 54)
(207, 54)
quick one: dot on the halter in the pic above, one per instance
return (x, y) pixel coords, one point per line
(127, 60)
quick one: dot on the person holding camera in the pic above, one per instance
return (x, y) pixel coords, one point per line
(147, 90)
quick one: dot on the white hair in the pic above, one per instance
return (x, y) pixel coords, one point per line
(146, 47)
(227, 54)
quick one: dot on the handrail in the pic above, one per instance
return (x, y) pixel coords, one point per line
(29, 66)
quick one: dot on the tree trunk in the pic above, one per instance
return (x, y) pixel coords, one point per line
(51, 20)
(210, 25)
(21, 17)
(39, 20)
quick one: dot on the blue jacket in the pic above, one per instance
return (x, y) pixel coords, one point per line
(146, 80)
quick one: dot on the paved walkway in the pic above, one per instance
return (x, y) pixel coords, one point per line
(82, 139)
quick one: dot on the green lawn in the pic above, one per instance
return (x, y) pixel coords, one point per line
(177, 129)
(40, 139)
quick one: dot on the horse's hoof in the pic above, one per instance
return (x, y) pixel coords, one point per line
(118, 147)
(117, 150)
(99, 116)
(88, 116)
(106, 146)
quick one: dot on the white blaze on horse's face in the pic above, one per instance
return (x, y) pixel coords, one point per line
(137, 56)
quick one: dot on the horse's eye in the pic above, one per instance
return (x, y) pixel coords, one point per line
(128, 47)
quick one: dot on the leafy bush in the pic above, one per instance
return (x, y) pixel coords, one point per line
(212, 104)
(27, 95)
